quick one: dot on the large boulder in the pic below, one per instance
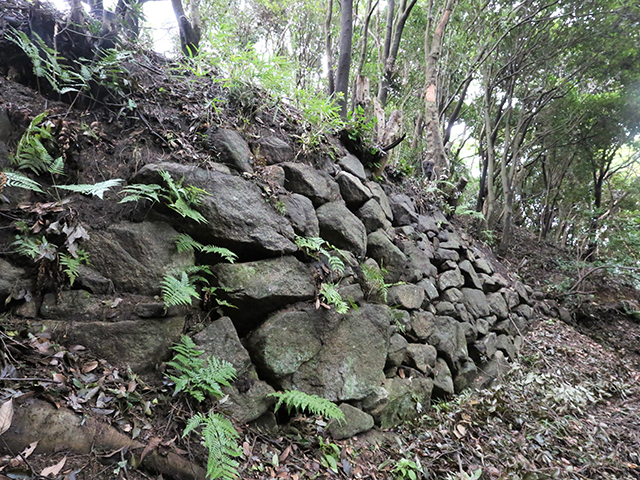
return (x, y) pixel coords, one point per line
(12, 280)
(229, 148)
(373, 217)
(261, 287)
(315, 184)
(355, 422)
(404, 211)
(136, 256)
(476, 302)
(342, 228)
(381, 198)
(139, 344)
(300, 212)
(449, 339)
(220, 339)
(339, 357)
(399, 400)
(407, 296)
(354, 193)
(350, 163)
(237, 215)
(380, 248)
(273, 150)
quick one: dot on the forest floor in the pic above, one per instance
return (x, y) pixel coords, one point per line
(568, 407)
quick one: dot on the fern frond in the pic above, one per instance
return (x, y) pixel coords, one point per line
(332, 297)
(36, 248)
(72, 263)
(181, 206)
(178, 292)
(140, 191)
(221, 439)
(97, 189)
(311, 244)
(336, 264)
(225, 253)
(294, 399)
(21, 181)
(184, 243)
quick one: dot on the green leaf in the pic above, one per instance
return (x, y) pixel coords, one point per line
(97, 189)
(300, 401)
(178, 292)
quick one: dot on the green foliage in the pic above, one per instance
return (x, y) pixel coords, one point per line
(221, 439)
(72, 263)
(97, 189)
(185, 243)
(464, 211)
(141, 191)
(178, 291)
(294, 399)
(32, 154)
(332, 297)
(405, 468)
(316, 246)
(196, 376)
(36, 248)
(181, 198)
(20, 181)
(331, 455)
(374, 278)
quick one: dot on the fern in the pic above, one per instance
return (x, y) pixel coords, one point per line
(316, 246)
(180, 198)
(72, 263)
(185, 243)
(332, 297)
(221, 439)
(140, 191)
(178, 292)
(31, 153)
(375, 281)
(35, 248)
(301, 401)
(198, 377)
(21, 181)
(309, 244)
(97, 189)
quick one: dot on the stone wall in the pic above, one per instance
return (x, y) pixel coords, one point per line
(445, 321)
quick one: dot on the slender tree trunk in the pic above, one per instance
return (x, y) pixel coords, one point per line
(189, 33)
(490, 201)
(344, 59)
(328, 49)
(358, 80)
(433, 49)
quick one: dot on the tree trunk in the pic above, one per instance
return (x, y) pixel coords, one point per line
(359, 81)
(436, 153)
(328, 50)
(344, 59)
(189, 34)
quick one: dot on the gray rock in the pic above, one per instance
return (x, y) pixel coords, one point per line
(342, 228)
(494, 283)
(355, 422)
(13, 279)
(524, 310)
(462, 314)
(465, 375)
(422, 325)
(77, 305)
(430, 289)
(301, 214)
(484, 348)
(442, 255)
(483, 326)
(354, 193)
(273, 150)
(351, 293)
(422, 357)
(220, 339)
(273, 175)
(497, 305)
(442, 379)
(452, 295)
(522, 292)
(427, 223)
(90, 280)
(446, 308)
(229, 148)
(453, 242)
(404, 211)
(476, 302)
(408, 296)
(511, 297)
(263, 286)
(506, 327)
(380, 248)
(407, 399)
(505, 344)
(353, 165)
(381, 198)
(238, 217)
(139, 344)
(397, 351)
(247, 399)
(471, 278)
(373, 217)
(317, 185)
(469, 331)
(495, 368)
(450, 279)
(482, 265)
(448, 338)
(418, 261)
(136, 256)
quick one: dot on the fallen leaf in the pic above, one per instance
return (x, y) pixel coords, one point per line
(29, 450)
(6, 415)
(461, 429)
(89, 366)
(152, 445)
(55, 469)
(285, 454)
(246, 449)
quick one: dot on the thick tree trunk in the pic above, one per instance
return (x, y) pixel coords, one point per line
(433, 49)
(344, 59)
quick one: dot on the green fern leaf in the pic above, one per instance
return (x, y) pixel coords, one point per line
(184, 243)
(139, 191)
(294, 399)
(332, 297)
(21, 181)
(97, 189)
(178, 292)
(225, 253)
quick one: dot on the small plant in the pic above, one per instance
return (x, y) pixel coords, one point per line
(196, 376)
(316, 246)
(374, 279)
(332, 297)
(405, 468)
(221, 439)
(178, 291)
(294, 399)
(330, 455)
(185, 243)
(32, 152)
